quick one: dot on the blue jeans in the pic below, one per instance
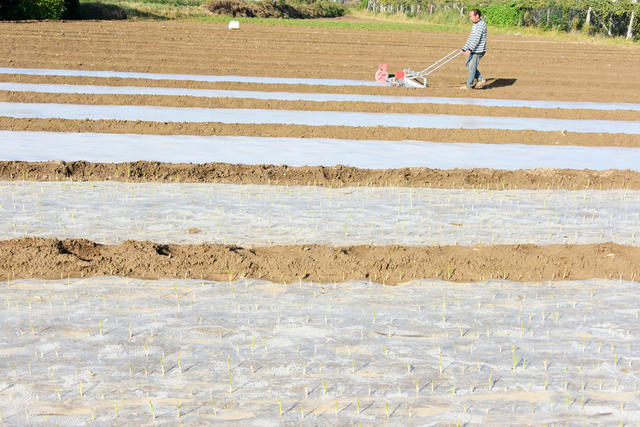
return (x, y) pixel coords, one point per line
(472, 66)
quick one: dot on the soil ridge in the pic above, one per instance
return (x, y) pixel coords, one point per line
(329, 176)
(57, 259)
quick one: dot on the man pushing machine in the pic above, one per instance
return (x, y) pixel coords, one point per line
(474, 49)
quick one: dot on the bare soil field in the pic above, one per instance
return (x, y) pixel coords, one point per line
(569, 71)
(178, 295)
(520, 67)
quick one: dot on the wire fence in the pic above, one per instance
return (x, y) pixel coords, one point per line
(612, 18)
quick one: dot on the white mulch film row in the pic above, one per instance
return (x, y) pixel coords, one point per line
(256, 215)
(315, 97)
(308, 118)
(185, 77)
(98, 147)
(113, 350)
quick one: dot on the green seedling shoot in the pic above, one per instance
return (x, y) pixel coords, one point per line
(153, 412)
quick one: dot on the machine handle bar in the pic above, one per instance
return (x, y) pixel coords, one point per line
(439, 63)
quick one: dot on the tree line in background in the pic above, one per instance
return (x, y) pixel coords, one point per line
(294, 9)
(613, 18)
(38, 9)
(72, 9)
(609, 17)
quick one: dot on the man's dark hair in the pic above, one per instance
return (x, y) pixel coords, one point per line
(476, 12)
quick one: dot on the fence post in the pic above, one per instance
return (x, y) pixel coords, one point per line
(630, 27)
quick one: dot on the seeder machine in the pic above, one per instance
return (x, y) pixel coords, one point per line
(410, 78)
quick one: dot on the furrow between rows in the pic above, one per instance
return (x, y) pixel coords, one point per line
(318, 102)
(310, 118)
(486, 136)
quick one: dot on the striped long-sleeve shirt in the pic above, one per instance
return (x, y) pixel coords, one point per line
(477, 41)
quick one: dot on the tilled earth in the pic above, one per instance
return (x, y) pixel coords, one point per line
(522, 341)
(517, 67)
(520, 67)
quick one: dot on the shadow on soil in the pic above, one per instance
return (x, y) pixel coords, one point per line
(104, 11)
(495, 83)
(100, 11)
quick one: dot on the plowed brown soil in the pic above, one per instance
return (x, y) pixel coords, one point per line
(487, 136)
(523, 67)
(339, 176)
(369, 107)
(55, 259)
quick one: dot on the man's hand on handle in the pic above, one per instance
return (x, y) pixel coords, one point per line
(465, 52)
